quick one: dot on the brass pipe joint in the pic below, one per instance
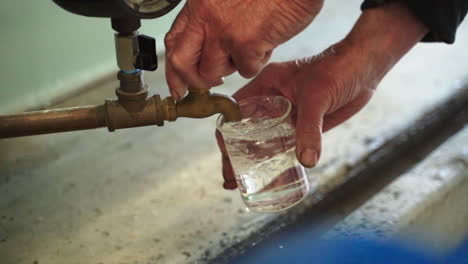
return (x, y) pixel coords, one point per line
(154, 111)
(119, 115)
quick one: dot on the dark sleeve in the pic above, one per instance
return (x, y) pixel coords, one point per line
(442, 17)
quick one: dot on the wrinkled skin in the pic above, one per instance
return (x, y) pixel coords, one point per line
(329, 88)
(211, 39)
(320, 100)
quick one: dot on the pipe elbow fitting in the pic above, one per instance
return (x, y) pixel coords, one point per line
(228, 107)
(201, 103)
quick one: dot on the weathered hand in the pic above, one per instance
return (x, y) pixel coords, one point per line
(328, 89)
(211, 39)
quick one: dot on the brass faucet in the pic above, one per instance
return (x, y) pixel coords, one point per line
(201, 103)
(133, 108)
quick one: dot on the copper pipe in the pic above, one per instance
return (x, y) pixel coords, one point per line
(52, 121)
(130, 110)
(201, 103)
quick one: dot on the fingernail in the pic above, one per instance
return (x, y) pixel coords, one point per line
(309, 158)
(180, 93)
(175, 95)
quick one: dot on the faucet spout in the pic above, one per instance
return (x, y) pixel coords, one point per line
(201, 103)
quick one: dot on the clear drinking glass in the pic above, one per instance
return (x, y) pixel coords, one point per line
(261, 148)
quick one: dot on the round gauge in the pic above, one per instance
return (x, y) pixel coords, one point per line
(119, 8)
(151, 8)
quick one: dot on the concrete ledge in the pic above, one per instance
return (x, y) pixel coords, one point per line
(427, 204)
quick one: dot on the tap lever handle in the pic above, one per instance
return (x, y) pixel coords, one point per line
(146, 58)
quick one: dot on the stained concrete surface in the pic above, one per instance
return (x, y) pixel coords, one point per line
(153, 195)
(427, 205)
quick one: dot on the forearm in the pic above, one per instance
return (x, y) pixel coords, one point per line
(383, 35)
(442, 17)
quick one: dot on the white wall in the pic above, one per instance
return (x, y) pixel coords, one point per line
(47, 52)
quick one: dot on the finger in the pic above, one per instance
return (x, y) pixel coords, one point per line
(345, 112)
(186, 54)
(177, 86)
(177, 27)
(312, 106)
(267, 57)
(215, 62)
(249, 61)
(228, 173)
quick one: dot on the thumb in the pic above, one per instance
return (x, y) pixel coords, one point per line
(311, 108)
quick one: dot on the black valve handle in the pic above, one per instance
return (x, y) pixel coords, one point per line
(146, 59)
